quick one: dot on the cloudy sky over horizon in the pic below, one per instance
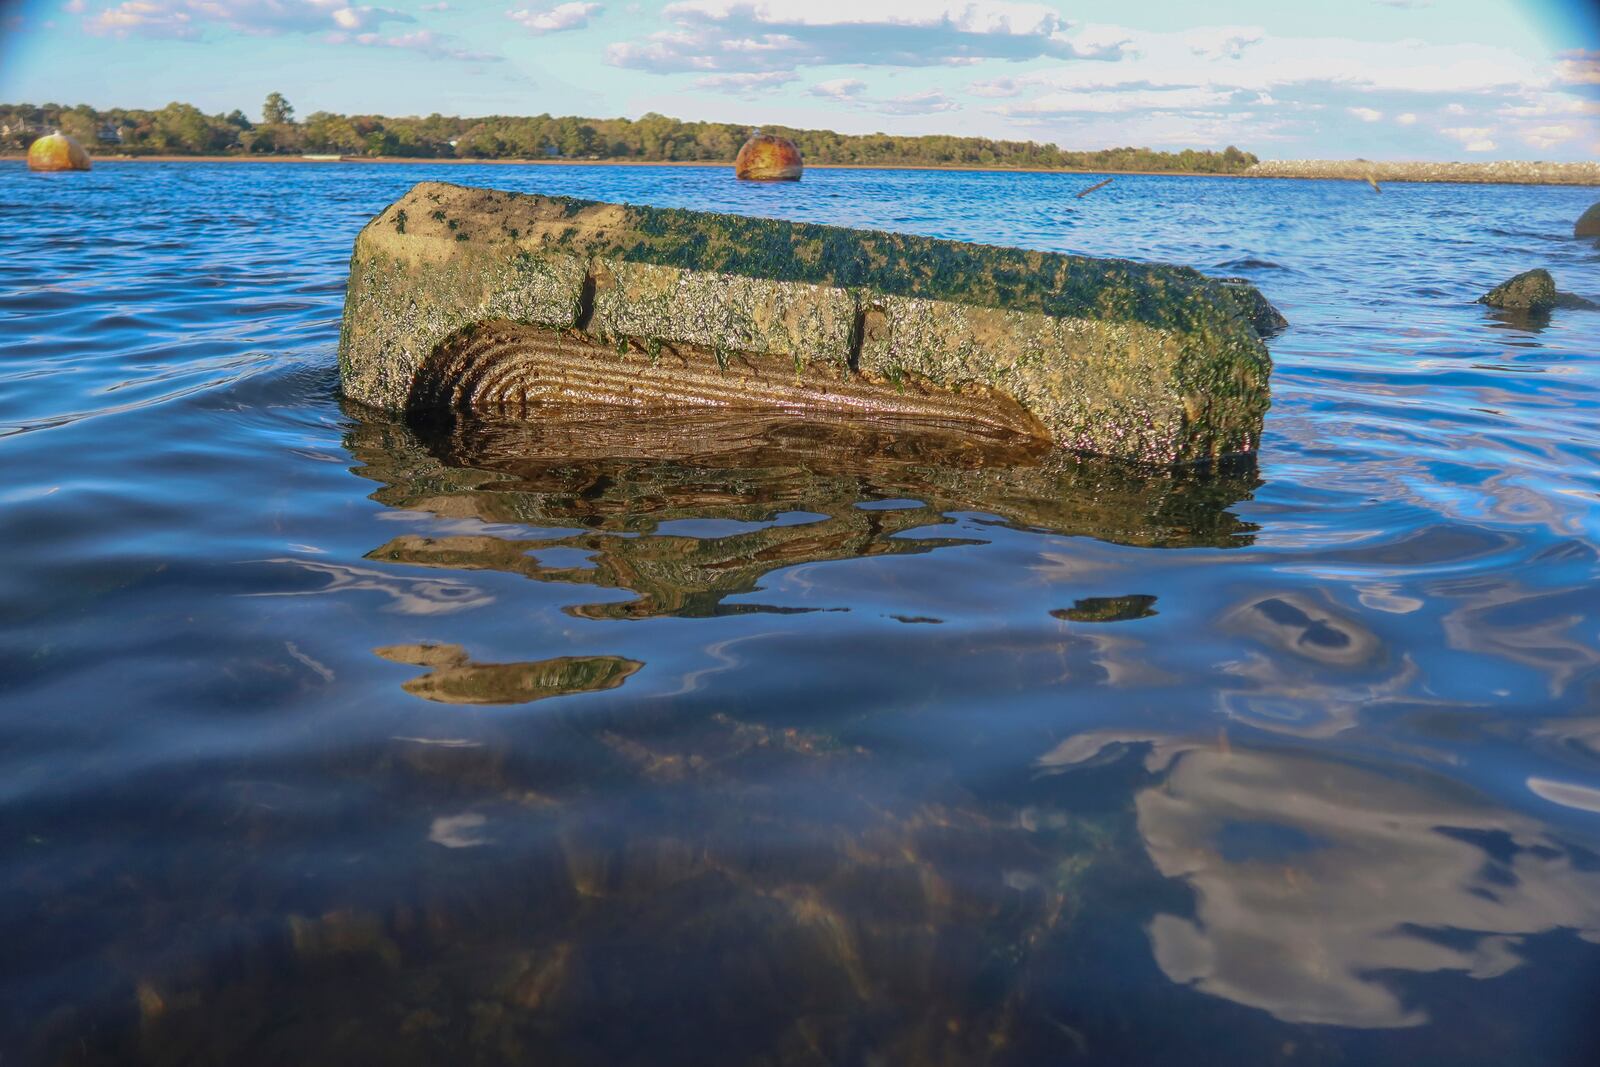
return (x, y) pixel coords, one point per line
(1382, 79)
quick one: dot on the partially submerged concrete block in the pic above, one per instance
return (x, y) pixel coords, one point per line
(472, 298)
(1265, 319)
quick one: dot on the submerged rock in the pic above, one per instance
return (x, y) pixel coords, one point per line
(1533, 290)
(57, 151)
(1588, 224)
(471, 298)
(768, 158)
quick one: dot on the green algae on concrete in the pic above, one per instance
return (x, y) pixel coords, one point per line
(1147, 362)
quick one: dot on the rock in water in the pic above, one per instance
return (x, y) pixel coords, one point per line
(766, 158)
(1532, 290)
(1535, 291)
(472, 298)
(57, 151)
(1588, 223)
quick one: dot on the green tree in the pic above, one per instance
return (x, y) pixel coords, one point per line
(185, 129)
(277, 110)
(325, 132)
(81, 125)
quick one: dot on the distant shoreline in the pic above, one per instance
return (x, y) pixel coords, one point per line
(719, 164)
(1505, 172)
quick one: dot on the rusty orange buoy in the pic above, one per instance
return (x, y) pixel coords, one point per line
(57, 151)
(768, 158)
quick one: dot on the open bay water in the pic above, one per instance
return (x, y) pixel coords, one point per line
(329, 739)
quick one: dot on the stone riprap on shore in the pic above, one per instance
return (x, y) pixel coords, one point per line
(1511, 172)
(474, 298)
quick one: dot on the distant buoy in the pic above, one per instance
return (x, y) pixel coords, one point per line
(766, 158)
(57, 151)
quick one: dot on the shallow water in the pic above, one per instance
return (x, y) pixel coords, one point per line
(329, 739)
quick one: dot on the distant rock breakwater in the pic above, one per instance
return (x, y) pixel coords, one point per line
(1506, 171)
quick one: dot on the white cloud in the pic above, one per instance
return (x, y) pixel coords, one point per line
(1549, 105)
(1549, 136)
(338, 21)
(424, 42)
(187, 18)
(559, 19)
(1186, 99)
(1168, 89)
(853, 92)
(745, 84)
(995, 87)
(1579, 68)
(1275, 62)
(1472, 138)
(840, 89)
(758, 35)
(928, 102)
(1224, 42)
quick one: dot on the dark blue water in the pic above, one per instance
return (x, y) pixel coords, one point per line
(327, 739)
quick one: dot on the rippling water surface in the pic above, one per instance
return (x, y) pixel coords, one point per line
(326, 739)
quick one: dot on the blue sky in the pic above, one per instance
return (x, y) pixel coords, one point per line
(1382, 79)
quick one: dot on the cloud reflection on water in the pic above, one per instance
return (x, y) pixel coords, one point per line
(1316, 882)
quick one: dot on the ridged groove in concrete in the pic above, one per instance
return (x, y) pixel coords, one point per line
(505, 365)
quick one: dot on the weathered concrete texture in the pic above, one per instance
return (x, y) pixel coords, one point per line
(1588, 224)
(767, 158)
(1265, 319)
(1533, 290)
(473, 297)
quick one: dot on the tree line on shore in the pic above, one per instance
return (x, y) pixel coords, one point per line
(183, 129)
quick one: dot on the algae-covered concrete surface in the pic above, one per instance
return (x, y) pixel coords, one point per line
(477, 298)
